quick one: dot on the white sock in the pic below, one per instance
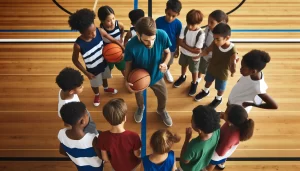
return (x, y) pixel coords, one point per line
(199, 79)
(218, 97)
(97, 94)
(183, 76)
(206, 89)
(105, 88)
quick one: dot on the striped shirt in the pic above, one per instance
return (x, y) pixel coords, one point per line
(92, 54)
(115, 33)
(132, 31)
(81, 152)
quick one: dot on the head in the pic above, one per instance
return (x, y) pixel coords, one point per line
(135, 15)
(254, 62)
(107, 16)
(205, 119)
(216, 17)
(172, 10)
(75, 114)
(83, 21)
(146, 31)
(222, 33)
(194, 19)
(70, 80)
(162, 141)
(238, 116)
(114, 111)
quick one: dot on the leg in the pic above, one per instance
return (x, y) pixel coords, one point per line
(210, 167)
(105, 83)
(220, 86)
(138, 115)
(183, 62)
(107, 74)
(205, 91)
(168, 73)
(121, 66)
(95, 90)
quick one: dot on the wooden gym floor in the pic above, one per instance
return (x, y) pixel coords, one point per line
(28, 94)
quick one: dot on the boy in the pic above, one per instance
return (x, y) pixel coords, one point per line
(118, 146)
(90, 44)
(196, 154)
(224, 58)
(70, 83)
(172, 26)
(191, 40)
(74, 142)
(134, 16)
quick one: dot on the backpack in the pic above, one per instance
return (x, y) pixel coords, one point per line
(197, 36)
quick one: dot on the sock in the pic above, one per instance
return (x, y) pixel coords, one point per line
(105, 88)
(199, 79)
(206, 89)
(97, 94)
(183, 76)
(218, 97)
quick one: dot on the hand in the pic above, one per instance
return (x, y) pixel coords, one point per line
(222, 115)
(128, 86)
(163, 67)
(232, 72)
(176, 53)
(204, 53)
(188, 134)
(195, 58)
(246, 104)
(90, 75)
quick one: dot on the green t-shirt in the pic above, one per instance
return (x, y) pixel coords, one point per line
(199, 152)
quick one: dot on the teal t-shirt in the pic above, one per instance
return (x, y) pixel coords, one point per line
(148, 59)
(199, 152)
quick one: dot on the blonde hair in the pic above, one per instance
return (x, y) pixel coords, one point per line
(162, 141)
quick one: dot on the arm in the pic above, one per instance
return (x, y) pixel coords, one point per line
(111, 39)
(142, 167)
(185, 46)
(75, 57)
(188, 136)
(127, 37)
(206, 51)
(232, 65)
(104, 156)
(121, 25)
(96, 149)
(174, 166)
(137, 153)
(62, 151)
(164, 66)
(269, 102)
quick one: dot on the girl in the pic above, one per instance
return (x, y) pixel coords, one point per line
(237, 127)
(162, 158)
(214, 19)
(114, 28)
(252, 87)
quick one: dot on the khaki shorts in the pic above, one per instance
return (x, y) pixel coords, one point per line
(203, 65)
(185, 60)
(97, 81)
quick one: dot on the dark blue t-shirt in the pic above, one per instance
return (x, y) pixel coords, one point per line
(148, 59)
(172, 29)
(166, 165)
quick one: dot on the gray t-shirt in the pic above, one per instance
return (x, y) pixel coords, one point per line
(209, 38)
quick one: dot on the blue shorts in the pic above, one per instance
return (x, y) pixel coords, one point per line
(212, 162)
(220, 85)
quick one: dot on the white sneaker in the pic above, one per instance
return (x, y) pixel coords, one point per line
(169, 76)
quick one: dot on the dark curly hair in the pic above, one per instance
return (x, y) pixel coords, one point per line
(174, 5)
(222, 29)
(104, 11)
(81, 20)
(72, 112)
(69, 79)
(256, 59)
(135, 15)
(206, 119)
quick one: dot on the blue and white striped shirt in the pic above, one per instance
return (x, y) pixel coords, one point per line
(115, 33)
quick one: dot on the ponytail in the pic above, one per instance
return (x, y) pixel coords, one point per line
(162, 141)
(246, 130)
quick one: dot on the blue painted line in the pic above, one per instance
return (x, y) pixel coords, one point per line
(144, 126)
(135, 4)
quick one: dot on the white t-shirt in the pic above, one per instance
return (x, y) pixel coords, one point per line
(209, 38)
(62, 102)
(191, 40)
(246, 90)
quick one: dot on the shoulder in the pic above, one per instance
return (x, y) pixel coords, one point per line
(161, 33)
(131, 134)
(132, 43)
(62, 133)
(177, 21)
(159, 19)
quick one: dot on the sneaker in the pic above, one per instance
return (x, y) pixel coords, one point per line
(111, 90)
(138, 115)
(193, 88)
(97, 100)
(166, 118)
(201, 95)
(180, 80)
(220, 166)
(169, 76)
(215, 103)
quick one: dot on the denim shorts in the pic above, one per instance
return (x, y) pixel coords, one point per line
(220, 85)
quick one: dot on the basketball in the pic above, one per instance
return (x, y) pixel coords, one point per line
(112, 53)
(140, 79)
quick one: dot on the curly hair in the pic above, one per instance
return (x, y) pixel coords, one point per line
(81, 20)
(206, 119)
(69, 79)
(72, 112)
(135, 15)
(256, 59)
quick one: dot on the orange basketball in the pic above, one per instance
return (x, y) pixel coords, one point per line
(112, 53)
(140, 79)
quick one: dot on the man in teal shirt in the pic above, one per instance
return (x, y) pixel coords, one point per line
(149, 50)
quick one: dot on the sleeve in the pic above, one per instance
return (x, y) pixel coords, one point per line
(101, 142)
(157, 23)
(190, 153)
(234, 50)
(166, 40)
(232, 138)
(181, 36)
(201, 40)
(59, 135)
(137, 142)
(262, 89)
(179, 28)
(128, 56)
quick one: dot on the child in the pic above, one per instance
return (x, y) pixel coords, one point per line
(134, 16)
(196, 154)
(70, 83)
(224, 58)
(118, 146)
(115, 29)
(214, 18)
(163, 158)
(172, 26)
(237, 127)
(90, 44)
(191, 41)
(252, 82)
(74, 142)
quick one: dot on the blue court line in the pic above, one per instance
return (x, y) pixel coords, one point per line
(144, 126)
(135, 4)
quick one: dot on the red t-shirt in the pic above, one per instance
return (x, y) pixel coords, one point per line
(120, 147)
(229, 137)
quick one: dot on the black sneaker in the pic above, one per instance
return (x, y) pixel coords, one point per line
(180, 80)
(201, 95)
(193, 88)
(215, 103)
